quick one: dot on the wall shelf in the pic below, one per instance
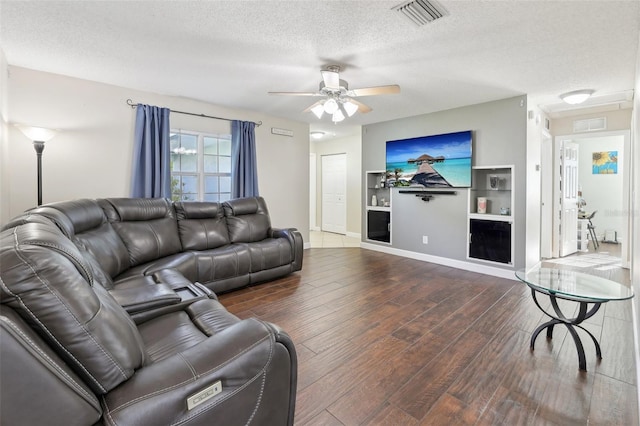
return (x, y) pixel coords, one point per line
(491, 236)
(378, 207)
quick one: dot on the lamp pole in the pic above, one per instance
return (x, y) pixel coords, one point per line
(39, 147)
(39, 135)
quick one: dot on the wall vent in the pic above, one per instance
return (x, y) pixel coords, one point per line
(590, 125)
(421, 12)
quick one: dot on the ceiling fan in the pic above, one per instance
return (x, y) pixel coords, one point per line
(338, 99)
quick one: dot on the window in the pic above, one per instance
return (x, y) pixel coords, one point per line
(200, 166)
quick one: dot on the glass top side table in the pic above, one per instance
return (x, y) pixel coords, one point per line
(578, 287)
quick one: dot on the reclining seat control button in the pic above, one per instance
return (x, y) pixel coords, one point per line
(204, 395)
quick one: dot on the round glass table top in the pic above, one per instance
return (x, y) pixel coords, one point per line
(574, 285)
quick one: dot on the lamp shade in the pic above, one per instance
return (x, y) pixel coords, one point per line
(39, 134)
(337, 117)
(350, 107)
(330, 106)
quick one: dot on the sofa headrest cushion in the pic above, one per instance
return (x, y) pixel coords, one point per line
(83, 214)
(201, 226)
(135, 209)
(198, 210)
(249, 205)
(247, 219)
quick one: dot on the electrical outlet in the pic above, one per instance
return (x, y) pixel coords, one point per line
(425, 239)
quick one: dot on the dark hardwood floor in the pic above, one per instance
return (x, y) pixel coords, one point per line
(386, 340)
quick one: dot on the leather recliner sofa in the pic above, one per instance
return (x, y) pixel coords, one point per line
(109, 315)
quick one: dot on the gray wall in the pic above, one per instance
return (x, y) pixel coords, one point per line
(499, 138)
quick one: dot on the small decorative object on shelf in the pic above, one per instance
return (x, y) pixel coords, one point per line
(482, 205)
(374, 200)
(494, 182)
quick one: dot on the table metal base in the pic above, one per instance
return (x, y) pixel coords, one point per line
(559, 318)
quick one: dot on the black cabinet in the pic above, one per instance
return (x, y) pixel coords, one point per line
(490, 240)
(379, 225)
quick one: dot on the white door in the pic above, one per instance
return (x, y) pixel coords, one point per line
(566, 197)
(334, 193)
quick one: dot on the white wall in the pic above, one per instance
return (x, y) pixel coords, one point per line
(4, 136)
(535, 127)
(635, 215)
(602, 192)
(91, 155)
(352, 146)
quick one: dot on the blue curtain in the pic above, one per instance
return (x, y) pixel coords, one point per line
(151, 176)
(244, 172)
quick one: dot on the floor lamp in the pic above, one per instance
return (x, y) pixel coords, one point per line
(39, 136)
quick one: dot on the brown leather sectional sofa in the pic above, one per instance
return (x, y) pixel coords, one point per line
(108, 315)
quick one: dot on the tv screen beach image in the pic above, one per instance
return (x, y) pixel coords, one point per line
(438, 161)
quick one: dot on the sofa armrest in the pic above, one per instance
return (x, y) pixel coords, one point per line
(295, 240)
(144, 298)
(240, 375)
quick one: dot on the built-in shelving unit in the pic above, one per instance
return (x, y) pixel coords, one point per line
(378, 207)
(490, 214)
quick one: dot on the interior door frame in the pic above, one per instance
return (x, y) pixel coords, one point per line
(546, 196)
(626, 248)
(313, 196)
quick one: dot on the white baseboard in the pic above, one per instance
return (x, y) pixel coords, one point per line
(315, 228)
(306, 245)
(459, 264)
(354, 235)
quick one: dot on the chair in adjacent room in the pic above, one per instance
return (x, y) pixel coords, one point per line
(592, 229)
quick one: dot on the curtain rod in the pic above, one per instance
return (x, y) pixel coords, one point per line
(133, 105)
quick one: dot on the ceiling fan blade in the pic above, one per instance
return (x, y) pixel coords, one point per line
(310, 107)
(362, 108)
(378, 90)
(296, 93)
(331, 79)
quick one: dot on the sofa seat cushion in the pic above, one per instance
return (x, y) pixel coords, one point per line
(269, 253)
(222, 263)
(185, 263)
(178, 331)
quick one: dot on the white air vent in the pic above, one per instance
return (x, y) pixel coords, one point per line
(589, 125)
(421, 12)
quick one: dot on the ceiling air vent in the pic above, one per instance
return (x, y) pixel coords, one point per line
(421, 12)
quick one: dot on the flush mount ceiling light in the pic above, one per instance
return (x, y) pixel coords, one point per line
(577, 96)
(317, 135)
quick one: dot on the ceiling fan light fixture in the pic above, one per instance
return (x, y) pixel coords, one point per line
(330, 106)
(338, 116)
(318, 110)
(350, 108)
(577, 96)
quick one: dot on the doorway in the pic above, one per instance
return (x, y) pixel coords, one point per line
(608, 194)
(334, 193)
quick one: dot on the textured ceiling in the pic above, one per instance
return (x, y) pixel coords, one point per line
(232, 53)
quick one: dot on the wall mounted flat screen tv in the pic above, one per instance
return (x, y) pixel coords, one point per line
(438, 161)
